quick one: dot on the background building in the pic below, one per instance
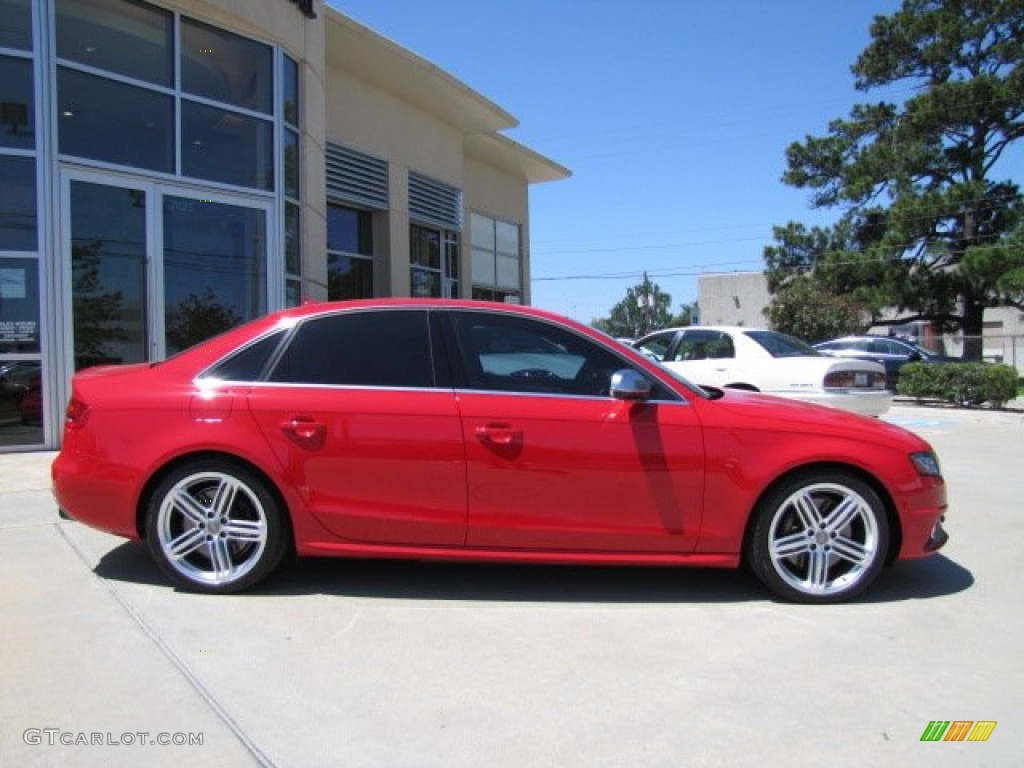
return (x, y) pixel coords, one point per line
(171, 168)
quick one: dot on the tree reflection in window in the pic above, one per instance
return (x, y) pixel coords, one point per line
(197, 318)
(97, 311)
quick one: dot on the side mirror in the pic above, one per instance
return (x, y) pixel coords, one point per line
(914, 357)
(627, 384)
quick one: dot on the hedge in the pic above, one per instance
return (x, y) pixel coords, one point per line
(967, 384)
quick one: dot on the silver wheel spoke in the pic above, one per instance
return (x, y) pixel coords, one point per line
(817, 569)
(245, 530)
(843, 514)
(807, 511)
(187, 543)
(851, 550)
(790, 546)
(224, 498)
(220, 556)
(184, 503)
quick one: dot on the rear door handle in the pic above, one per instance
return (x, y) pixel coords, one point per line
(304, 430)
(497, 434)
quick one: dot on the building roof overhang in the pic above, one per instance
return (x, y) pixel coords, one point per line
(373, 58)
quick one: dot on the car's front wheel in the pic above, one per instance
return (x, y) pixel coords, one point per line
(819, 538)
(214, 526)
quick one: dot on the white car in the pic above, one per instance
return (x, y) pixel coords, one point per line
(767, 361)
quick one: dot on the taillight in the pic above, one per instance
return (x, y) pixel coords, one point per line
(854, 380)
(76, 414)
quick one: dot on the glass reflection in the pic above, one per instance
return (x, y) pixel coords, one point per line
(106, 120)
(18, 220)
(19, 306)
(214, 273)
(16, 24)
(21, 403)
(130, 38)
(108, 274)
(226, 67)
(349, 277)
(225, 146)
(17, 104)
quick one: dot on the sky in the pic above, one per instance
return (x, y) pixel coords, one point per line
(672, 115)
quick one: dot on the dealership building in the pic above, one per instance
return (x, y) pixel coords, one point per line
(171, 168)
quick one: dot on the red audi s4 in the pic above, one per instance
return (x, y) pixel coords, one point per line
(461, 430)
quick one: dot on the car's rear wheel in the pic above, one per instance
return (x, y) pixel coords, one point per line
(214, 526)
(819, 538)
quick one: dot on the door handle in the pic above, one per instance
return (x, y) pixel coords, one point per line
(304, 430)
(498, 434)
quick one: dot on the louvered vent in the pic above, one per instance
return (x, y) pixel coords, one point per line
(433, 202)
(355, 177)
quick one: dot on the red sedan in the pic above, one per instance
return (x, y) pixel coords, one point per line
(472, 431)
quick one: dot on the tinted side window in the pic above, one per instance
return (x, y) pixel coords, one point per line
(508, 353)
(248, 363)
(382, 348)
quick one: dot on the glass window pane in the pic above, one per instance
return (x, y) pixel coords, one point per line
(425, 283)
(451, 256)
(499, 350)
(21, 402)
(292, 239)
(16, 24)
(483, 267)
(372, 349)
(348, 277)
(291, 91)
(425, 246)
(223, 66)
(224, 146)
(19, 306)
(117, 123)
(292, 293)
(508, 272)
(349, 230)
(130, 38)
(17, 103)
(291, 164)
(482, 231)
(18, 220)
(214, 268)
(247, 364)
(108, 274)
(508, 238)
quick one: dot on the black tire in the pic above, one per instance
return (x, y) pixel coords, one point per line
(214, 526)
(819, 537)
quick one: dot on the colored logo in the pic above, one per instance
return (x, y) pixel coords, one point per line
(958, 730)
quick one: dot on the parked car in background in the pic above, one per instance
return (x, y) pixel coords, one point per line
(891, 353)
(767, 361)
(488, 432)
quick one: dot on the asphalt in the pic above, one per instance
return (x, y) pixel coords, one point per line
(357, 663)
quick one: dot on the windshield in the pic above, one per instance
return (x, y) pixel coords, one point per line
(781, 345)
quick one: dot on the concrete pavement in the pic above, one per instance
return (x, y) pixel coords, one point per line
(411, 664)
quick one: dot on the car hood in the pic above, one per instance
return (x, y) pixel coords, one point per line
(737, 409)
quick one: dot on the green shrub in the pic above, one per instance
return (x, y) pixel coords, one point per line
(967, 384)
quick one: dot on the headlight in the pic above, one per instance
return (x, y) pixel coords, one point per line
(926, 463)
